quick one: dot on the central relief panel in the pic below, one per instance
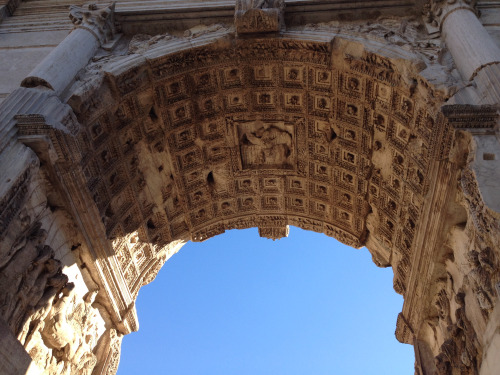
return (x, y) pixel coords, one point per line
(267, 144)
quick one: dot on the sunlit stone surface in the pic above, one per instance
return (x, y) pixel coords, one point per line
(127, 130)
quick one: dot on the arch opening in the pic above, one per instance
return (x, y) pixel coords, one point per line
(237, 303)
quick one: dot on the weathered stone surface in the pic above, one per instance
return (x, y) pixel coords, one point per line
(259, 16)
(380, 130)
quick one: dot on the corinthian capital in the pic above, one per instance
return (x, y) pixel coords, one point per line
(436, 11)
(99, 20)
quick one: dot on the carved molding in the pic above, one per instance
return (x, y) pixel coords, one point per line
(475, 119)
(113, 358)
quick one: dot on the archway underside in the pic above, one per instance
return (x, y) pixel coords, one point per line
(269, 132)
(180, 139)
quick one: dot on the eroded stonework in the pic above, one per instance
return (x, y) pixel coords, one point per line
(367, 131)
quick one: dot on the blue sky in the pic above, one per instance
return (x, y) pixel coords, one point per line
(241, 304)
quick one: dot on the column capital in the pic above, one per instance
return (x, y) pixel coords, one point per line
(97, 19)
(435, 12)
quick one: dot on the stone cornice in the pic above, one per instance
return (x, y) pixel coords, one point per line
(159, 18)
(475, 119)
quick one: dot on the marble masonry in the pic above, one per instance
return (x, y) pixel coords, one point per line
(130, 128)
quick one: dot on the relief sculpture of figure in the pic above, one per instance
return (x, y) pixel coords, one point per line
(59, 333)
(71, 331)
(266, 146)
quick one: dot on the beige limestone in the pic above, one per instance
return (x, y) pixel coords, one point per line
(349, 122)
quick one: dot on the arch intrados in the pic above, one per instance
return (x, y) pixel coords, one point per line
(374, 113)
(180, 138)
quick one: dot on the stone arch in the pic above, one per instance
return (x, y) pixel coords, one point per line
(181, 138)
(187, 139)
(183, 142)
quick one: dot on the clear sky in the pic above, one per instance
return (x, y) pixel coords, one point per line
(239, 304)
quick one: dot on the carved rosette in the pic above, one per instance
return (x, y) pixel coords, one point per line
(98, 20)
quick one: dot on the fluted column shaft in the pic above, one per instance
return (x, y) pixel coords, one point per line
(468, 41)
(58, 68)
